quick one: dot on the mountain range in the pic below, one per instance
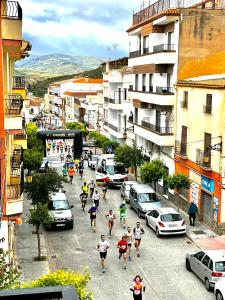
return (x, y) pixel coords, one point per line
(43, 66)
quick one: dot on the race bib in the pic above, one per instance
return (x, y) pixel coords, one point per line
(137, 292)
(123, 247)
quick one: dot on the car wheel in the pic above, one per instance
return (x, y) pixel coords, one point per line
(219, 296)
(157, 232)
(70, 226)
(207, 284)
(188, 266)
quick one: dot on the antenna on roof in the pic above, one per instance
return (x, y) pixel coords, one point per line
(114, 47)
(142, 4)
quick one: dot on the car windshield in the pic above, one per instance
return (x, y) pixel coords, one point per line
(147, 197)
(59, 205)
(220, 266)
(117, 169)
(170, 218)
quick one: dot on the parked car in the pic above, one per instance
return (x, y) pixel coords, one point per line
(219, 289)
(92, 161)
(208, 265)
(125, 189)
(60, 209)
(165, 221)
(143, 199)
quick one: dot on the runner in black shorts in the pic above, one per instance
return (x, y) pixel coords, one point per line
(122, 245)
(92, 212)
(102, 247)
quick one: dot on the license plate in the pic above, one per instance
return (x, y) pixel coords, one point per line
(173, 225)
(60, 224)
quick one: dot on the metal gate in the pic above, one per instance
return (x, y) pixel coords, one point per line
(207, 208)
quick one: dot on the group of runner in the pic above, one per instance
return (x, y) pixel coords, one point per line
(60, 146)
(71, 166)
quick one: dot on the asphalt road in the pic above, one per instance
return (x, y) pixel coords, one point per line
(162, 261)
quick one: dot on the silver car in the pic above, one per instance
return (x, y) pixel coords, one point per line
(125, 189)
(208, 265)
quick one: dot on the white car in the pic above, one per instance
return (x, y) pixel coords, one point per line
(220, 289)
(165, 221)
(92, 161)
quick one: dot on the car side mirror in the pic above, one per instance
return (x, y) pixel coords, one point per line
(71, 206)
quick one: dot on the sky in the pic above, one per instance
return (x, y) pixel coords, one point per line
(78, 27)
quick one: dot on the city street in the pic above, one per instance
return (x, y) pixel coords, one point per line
(162, 261)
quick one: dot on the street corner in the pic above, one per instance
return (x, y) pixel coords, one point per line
(211, 243)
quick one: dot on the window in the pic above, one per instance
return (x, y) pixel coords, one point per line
(147, 197)
(145, 44)
(208, 107)
(199, 255)
(206, 260)
(151, 83)
(220, 266)
(211, 265)
(183, 149)
(170, 218)
(143, 82)
(125, 94)
(154, 214)
(136, 82)
(184, 103)
(207, 149)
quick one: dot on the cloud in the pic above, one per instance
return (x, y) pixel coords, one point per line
(77, 27)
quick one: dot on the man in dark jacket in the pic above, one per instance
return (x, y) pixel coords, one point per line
(193, 209)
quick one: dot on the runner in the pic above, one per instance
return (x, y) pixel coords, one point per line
(81, 171)
(71, 173)
(111, 218)
(76, 163)
(96, 198)
(102, 247)
(123, 214)
(83, 198)
(122, 245)
(92, 212)
(48, 148)
(64, 171)
(61, 156)
(91, 188)
(138, 231)
(85, 187)
(129, 238)
(137, 288)
(104, 190)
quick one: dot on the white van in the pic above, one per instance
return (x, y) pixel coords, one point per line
(114, 174)
(60, 209)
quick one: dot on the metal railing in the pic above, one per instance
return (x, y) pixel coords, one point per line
(163, 47)
(14, 104)
(11, 10)
(160, 6)
(19, 82)
(106, 99)
(13, 191)
(15, 172)
(159, 129)
(113, 127)
(135, 53)
(181, 148)
(164, 90)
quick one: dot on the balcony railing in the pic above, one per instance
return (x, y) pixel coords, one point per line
(146, 50)
(11, 10)
(164, 90)
(181, 149)
(19, 82)
(135, 53)
(159, 129)
(106, 99)
(14, 104)
(163, 47)
(203, 158)
(13, 191)
(22, 136)
(114, 101)
(159, 6)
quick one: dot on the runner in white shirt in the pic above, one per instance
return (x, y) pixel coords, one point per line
(129, 238)
(138, 231)
(102, 247)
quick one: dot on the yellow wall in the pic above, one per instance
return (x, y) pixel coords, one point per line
(20, 91)
(11, 29)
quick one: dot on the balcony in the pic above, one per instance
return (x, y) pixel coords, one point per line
(163, 47)
(12, 108)
(135, 53)
(11, 15)
(21, 140)
(14, 204)
(160, 130)
(164, 90)
(203, 159)
(19, 82)
(181, 149)
(114, 130)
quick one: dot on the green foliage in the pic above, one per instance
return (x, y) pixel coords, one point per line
(153, 171)
(32, 159)
(31, 129)
(39, 216)
(43, 184)
(129, 156)
(102, 141)
(79, 126)
(178, 181)
(40, 87)
(64, 277)
(8, 273)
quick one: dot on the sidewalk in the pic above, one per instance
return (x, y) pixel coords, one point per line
(26, 248)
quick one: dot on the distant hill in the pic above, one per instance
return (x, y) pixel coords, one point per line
(39, 87)
(36, 67)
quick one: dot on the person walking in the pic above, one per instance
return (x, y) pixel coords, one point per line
(123, 214)
(92, 212)
(71, 173)
(192, 210)
(129, 238)
(137, 287)
(61, 156)
(91, 186)
(138, 231)
(102, 247)
(122, 245)
(96, 198)
(104, 190)
(110, 218)
(81, 171)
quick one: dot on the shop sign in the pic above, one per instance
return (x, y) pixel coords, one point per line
(207, 184)
(194, 190)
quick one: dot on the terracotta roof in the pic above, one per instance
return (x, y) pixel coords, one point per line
(79, 94)
(88, 80)
(209, 83)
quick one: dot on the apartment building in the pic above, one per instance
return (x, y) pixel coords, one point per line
(12, 125)
(117, 80)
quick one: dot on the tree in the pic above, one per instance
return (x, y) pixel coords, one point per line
(64, 277)
(79, 126)
(32, 139)
(177, 182)
(129, 156)
(32, 159)
(8, 272)
(102, 141)
(37, 217)
(43, 184)
(153, 171)
(31, 129)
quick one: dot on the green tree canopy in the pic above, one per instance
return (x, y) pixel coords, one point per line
(79, 126)
(32, 159)
(153, 171)
(102, 141)
(31, 129)
(178, 181)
